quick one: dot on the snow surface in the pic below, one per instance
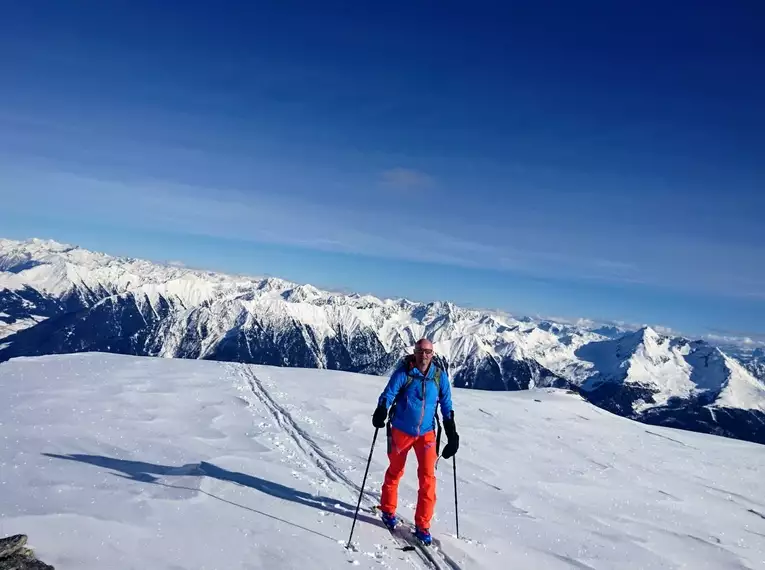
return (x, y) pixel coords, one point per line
(111, 461)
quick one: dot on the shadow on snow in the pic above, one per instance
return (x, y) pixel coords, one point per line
(150, 473)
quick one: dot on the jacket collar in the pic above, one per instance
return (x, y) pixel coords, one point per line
(414, 371)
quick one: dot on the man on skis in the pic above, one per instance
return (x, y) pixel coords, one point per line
(415, 390)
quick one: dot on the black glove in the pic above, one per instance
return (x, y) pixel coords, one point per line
(454, 439)
(379, 417)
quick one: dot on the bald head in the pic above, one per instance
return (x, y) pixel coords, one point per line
(423, 354)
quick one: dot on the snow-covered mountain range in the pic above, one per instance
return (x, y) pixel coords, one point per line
(56, 298)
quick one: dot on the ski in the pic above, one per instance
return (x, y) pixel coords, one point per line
(391, 528)
(403, 532)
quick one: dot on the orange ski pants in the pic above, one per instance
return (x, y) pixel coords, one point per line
(425, 449)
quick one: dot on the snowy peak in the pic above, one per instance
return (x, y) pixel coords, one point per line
(754, 362)
(643, 359)
(742, 390)
(301, 294)
(648, 338)
(63, 271)
(33, 247)
(657, 370)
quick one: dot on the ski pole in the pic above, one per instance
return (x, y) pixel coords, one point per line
(361, 493)
(456, 508)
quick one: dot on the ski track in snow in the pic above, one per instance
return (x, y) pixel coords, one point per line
(669, 439)
(432, 557)
(302, 440)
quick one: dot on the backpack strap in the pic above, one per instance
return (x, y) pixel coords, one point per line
(404, 388)
(392, 411)
(437, 378)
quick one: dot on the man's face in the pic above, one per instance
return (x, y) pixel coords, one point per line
(423, 353)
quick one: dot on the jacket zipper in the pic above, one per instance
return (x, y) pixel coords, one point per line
(422, 415)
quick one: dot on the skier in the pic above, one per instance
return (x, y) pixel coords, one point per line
(415, 390)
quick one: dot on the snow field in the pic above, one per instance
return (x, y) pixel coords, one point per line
(130, 462)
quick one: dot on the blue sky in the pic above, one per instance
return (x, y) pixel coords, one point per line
(555, 158)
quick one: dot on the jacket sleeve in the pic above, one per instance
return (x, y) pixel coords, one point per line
(445, 396)
(392, 389)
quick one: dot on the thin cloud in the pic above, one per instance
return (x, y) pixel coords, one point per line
(610, 264)
(718, 337)
(744, 338)
(406, 179)
(280, 218)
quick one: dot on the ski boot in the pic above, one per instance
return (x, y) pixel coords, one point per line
(423, 535)
(389, 520)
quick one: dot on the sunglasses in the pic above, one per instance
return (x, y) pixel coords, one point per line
(423, 350)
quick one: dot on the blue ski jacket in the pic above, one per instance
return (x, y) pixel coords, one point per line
(416, 407)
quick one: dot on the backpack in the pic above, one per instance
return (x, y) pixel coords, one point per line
(440, 365)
